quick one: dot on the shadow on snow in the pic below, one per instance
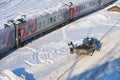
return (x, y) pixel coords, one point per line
(21, 71)
(106, 71)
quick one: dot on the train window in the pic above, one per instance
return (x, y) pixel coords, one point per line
(61, 16)
(54, 18)
(0, 40)
(51, 20)
(43, 24)
(97, 2)
(93, 3)
(58, 16)
(39, 25)
(48, 21)
(29, 28)
(78, 8)
(35, 26)
(83, 7)
(90, 3)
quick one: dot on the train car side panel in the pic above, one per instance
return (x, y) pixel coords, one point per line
(105, 2)
(7, 39)
(43, 22)
(84, 7)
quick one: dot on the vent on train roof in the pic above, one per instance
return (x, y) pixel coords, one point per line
(21, 18)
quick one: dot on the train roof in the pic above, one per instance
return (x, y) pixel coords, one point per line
(50, 10)
(2, 25)
(38, 13)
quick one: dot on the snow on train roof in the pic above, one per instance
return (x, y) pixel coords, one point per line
(2, 25)
(5, 24)
(36, 13)
(75, 1)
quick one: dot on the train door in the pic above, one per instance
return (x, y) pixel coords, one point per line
(17, 36)
(72, 11)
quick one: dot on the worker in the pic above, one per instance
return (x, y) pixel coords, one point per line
(90, 41)
(71, 47)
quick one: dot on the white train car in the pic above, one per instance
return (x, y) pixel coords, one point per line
(83, 7)
(7, 38)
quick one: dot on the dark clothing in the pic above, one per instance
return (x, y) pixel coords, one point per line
(90, 40)
(71, 47)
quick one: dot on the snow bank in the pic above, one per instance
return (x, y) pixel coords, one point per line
(8, 75)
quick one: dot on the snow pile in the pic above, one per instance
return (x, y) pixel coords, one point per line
(8, 75)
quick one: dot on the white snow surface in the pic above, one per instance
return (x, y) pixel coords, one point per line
(48, 57)
(8, 75)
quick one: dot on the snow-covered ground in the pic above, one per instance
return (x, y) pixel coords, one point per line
(48, 58)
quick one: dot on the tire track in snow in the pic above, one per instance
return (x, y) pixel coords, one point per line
(39, 3)
(5, 3)
(48, 3)
(35, 54)
(70, 68)
(65, 37)
(46, 54)
(21, 3)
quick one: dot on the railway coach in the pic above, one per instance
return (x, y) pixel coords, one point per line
(85, 6)
(7, 37)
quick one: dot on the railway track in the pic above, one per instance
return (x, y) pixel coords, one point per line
(70, 68)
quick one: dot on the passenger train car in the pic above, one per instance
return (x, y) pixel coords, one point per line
(17, 30)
